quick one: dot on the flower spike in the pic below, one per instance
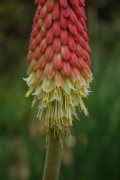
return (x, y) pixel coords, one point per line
(59, 72)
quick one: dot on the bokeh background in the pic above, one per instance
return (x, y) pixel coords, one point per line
(93, 151)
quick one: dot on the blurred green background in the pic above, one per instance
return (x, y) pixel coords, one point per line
(93, 151)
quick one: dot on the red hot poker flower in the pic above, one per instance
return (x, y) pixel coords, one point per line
(59, 71)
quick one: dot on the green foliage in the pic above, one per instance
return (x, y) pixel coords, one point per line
(93, 152)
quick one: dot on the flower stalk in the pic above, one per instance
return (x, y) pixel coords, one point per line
(53, 158)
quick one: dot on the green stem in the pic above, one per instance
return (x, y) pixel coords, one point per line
(53, 158)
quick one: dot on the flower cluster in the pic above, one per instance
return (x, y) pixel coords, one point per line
(59, 71)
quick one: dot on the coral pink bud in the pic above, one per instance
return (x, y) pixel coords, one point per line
(39, 24)
(50, 5)
(63, 3)
(49, 36)
(32, 45)
(87, 48)
(56, 12)
(66, 12)
(39, 9)
(71, 43)
(34, 31)
(36, 17)
(32, 66)
(73, 17)
(79, 50)
(43, 12)
(82, 41)
(82, 22)
(56, 28)
(38, 76)
(37, 12)
(48, 21)
(43, 31)
(33, 26)
(41, 63)
(49, 53)
(67, 70)
(49, 70)
(75, 73)
(79, 12)
(63, 22)
(43, 46)
(81, 63)
(56, 45)
(87, 61)
(38, 39)
(85, 54)
(64, 37)
(30, 56)
(37, 53)
(72, 28)
(73, 59)
(57, 61)
(79, 28)
(85, 36)
(86, 72)
(66, 54)
(87, 68)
